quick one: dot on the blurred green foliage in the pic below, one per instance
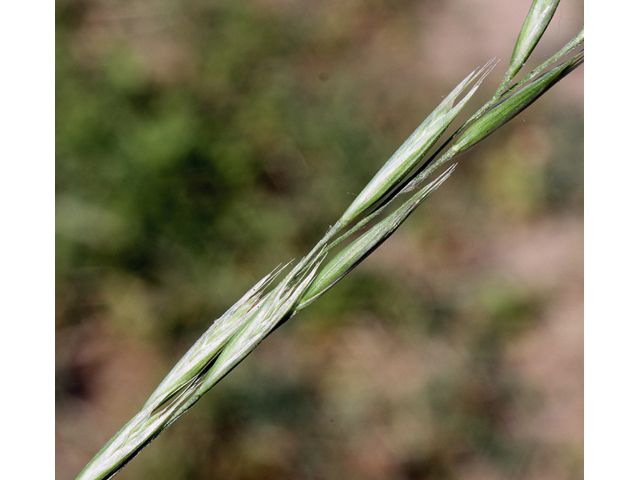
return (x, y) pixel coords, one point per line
(200, 144)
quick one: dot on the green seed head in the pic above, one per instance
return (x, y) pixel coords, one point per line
(359, 249)
(534, 26)
(415, 147)
(512, 106)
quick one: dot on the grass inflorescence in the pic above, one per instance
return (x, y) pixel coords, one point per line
(271, 302)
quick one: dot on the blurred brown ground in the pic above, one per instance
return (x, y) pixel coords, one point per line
(200, 144)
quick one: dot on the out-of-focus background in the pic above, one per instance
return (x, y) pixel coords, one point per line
(199, 144)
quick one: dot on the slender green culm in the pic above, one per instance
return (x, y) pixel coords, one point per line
(260, 311)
